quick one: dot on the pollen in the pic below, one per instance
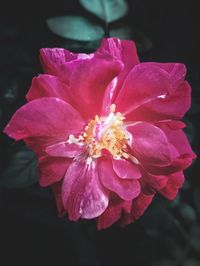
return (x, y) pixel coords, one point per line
(105, 133)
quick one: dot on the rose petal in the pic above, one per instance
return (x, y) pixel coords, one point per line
(53, 58)
(65, 149)
(44, 117)
(113, 212)
(127, 189)
(52, 169)
(122, 50)
(177, 71)
(139, 205)
(150, 144)
(83, 195)
(173, 106)
(125, 169)
(48, 86)
(177, 138)
(143, 84)
(175, 181)
(152, 183)
(56, 188)
(89, 79)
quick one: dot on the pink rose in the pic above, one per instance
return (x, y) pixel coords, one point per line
(107, 131)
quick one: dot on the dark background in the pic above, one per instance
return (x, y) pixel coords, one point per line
(30, 232)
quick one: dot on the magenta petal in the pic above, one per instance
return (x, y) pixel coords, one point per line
(89, 80)
(176, 71)
(126, 189)
(177, 138)
(113, 213)
(65, 149)
(125, 169)
(173, 106)
(83, 195)
(52, 169)
(150, 144)
(139, 205)
(175, 181)
(153, 183)
(53, 58)
(48, 86)
(143, 84)
(56, 188)
(44, 117)
(122, 50)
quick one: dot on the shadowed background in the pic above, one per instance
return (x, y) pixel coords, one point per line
(168, 233)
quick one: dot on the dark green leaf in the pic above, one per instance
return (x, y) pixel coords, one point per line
(21, 171)
(108, 10)
(197, 199)
(75, 28)
(187, 212)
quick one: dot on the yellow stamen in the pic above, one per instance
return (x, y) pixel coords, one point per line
(106, 133)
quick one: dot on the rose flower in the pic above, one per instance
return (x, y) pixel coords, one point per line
(106, 130)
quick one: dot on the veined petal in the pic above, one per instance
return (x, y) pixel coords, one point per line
(65, 149)
(152, 183)
(139, 205)
(150, 144)
(48, 86)
(175, 181)
(142, 85)
(113, 212)
(52, 169)
(82, 193)
(177, 71)
(56, 188)
(122, 50)
(126, 189)
(88, 83)
(177, 138)
(173, 106)
(44, 117)
(125, 169)
(53, 58)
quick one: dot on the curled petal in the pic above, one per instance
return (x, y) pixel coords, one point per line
(125, 169)
(48, 86)
(65, 149)
(175, 181)
(150, 144)
(113, 212)
(52, 169)
(122, 50)
(56, 188)
(142, 85)
(139, 205)
(53, 58)
(89, 79)
(176, 71)
(83, 195)
(173, 106)
(44, 117)
(153, 183)
(126, 189)
(177, 138)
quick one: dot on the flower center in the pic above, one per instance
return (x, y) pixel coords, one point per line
(106, 133)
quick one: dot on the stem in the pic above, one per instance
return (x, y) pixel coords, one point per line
(106, 25)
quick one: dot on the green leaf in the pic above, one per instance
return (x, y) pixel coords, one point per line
(75, 28)
(107, 10)
(21, 170)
